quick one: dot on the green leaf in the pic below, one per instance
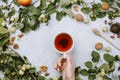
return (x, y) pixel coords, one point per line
(43, 4)
(26, 27)
(91, 77)
(109, 58)
(118, 4)
(97, 7)
(112, 67)
(16, 2)
(95, 56)
(4, 1)
(119, 77)
(77, 71)
(59, 16)
(84, 72)
(106, 67)
(92, 71)
(1, 20)
(88, 64)
(85, 10)
(11, 13)
(101, 14)
(32, 70)
(34, 10)
(106, 78)
(110, 13)
(1, 14)
(68, 12)
(51, 11)
(35, 26)
(3, 41)
(41, 78)
(7, 71)
(64, 3)
(3, 30)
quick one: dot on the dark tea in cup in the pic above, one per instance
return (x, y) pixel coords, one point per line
(63, 43)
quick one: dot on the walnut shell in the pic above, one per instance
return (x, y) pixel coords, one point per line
(105, 6)
(98, 46)
(79, 17)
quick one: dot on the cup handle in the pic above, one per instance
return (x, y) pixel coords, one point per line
(65, 58)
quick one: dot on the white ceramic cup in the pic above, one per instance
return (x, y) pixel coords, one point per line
(64, 53)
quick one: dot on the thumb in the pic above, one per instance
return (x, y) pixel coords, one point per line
(69, 59)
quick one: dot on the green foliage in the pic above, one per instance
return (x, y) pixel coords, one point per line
(26, 27)
(4, 1)
(84, 72)
(96, 7)
(88, 64)
(119, 77)
(34, 10)
(64, 3)
(118, 4)
(11, 13)
(109, 58)
(85, 10)
(43, 4)
(60, 15)
(91, 77)
(1, 14)
(95, 56)
(101, 14)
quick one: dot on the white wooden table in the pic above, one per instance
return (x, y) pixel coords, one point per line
(38, 45)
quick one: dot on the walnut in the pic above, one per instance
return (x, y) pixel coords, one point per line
(11, 42)
(98, 46)
(15, 46)
(43, 68)
(105, 6)
(20, 35)
(47, 74)
(75, 7)
(78, 17)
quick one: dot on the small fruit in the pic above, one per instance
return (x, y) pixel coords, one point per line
(21, 72)
(104, 29)
(98, 46)
(108, 49)
(105, 6)
(75, 8)
(23, 68)
(115, 28)
(4, 23)
(79, 17)
(25, 2)
(28, 66)
(86, 21)
(12, 29)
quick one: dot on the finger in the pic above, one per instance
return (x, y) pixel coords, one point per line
(69, 59)
(55, 66)
(60, 61)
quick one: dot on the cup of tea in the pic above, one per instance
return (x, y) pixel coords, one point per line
(63, 43)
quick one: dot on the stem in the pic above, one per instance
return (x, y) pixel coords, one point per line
(34, 77)
(52, 8)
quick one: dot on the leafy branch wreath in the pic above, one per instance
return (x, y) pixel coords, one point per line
(15, 67)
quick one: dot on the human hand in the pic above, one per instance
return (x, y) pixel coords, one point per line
(66, 66)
